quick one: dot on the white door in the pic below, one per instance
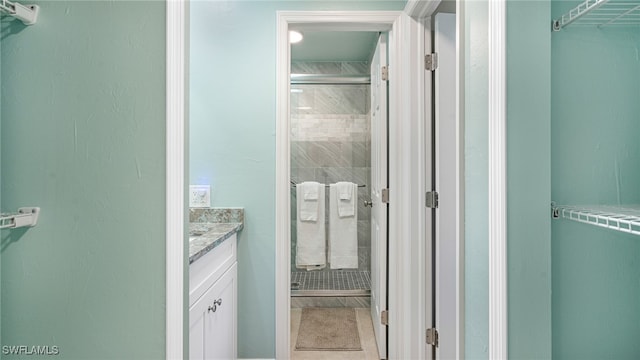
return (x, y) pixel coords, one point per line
(378, 183)
(447, 177)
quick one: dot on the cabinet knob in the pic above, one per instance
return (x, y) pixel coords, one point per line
(215, 305)
(368, 203)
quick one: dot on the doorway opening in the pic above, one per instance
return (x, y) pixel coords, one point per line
(407, 182)
(337, 267)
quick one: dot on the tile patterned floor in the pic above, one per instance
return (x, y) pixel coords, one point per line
(331, 301)
(365, 327)
(331, 280)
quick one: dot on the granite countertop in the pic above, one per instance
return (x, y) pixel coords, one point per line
(208, 228)
(204, 237)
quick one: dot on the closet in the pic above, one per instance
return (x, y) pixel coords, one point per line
(595, 177)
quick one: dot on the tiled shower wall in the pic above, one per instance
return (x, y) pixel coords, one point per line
(330, 142)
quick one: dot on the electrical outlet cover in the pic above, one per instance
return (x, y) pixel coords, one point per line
(199, 196)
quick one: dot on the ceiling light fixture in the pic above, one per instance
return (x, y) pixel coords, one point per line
(295, 37)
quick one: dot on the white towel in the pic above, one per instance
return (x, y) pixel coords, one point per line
(346, 200)
(308, 193)
(345, 190)
(310, 190)
(311, 251)
(343, 233)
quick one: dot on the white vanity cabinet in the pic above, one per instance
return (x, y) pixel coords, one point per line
(213, 305)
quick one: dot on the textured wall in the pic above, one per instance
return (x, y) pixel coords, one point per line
(1, 234)
(529, 178)
(83, 104)
(233, 117)
(595, 112)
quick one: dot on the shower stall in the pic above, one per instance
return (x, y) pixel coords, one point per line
(330, 143)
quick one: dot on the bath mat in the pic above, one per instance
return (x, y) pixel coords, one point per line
(328, 329)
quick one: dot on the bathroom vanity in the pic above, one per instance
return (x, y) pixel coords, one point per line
(213, 289)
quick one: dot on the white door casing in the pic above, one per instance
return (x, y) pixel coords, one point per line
(176, 157)
(427, 216)
(379, 179)
(406, 226)
(497, 94)
(414, 91)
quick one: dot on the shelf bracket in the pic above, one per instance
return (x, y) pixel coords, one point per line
(28, 14)
(26, 217)
(576, 13)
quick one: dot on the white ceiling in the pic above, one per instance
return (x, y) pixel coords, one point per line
(334, 46)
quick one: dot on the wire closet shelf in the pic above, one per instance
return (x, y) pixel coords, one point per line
(623, 218)
(601, 13)
(28, 14)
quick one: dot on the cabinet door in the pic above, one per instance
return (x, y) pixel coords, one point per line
(212, 320)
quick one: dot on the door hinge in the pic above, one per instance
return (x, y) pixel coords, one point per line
(384, 73)
(385, 196)
(431, 61)
(432, 199)
(432, 337)
(384, 317)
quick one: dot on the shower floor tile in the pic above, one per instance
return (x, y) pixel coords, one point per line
(331, 280)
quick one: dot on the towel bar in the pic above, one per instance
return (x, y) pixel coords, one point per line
(294, 184)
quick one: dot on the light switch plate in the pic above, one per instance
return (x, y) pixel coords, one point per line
(199, 196)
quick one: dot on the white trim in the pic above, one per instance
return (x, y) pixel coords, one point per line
(283, 198)
(406, 228)
(421, 9)
(175, 136)
(424, 9)
(498, 331)
(460, 122)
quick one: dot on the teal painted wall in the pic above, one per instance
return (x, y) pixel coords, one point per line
(595, 109)
(476, 182)
(529, 178)
(1, 234)
(232, 144)
(83, 137)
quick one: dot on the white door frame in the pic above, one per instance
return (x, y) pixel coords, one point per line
(498, 295)
(176, 135)
(498, 292)
(406, 180)
(424, 10)
(406, 337)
